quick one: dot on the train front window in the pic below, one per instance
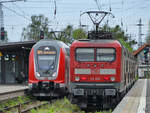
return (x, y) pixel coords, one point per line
(46, 62)
(105, 54)
(85, 54)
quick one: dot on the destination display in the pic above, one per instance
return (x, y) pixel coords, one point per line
(46, 52)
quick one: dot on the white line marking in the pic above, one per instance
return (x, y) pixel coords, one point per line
(142, 105)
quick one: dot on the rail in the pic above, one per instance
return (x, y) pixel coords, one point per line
(24, 107)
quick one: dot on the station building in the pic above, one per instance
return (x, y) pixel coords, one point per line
(14, 61)
(143, 60)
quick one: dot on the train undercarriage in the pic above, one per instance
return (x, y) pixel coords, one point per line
(48, 89)
(95, 101)
(96, 97)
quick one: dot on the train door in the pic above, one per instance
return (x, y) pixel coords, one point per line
(26, 65)
(9, 69)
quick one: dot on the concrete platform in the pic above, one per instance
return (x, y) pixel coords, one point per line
(11, 91)
(135, 99)
(11, 88)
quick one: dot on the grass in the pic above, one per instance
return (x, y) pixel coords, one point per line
(62, 106)
(13, 102)
(137, 77)
(59, 106)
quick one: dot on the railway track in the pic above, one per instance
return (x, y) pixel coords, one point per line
(24, 107)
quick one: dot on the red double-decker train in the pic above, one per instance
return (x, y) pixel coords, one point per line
(100, 72)
(48, 68)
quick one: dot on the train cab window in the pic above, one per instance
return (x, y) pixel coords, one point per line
(85, 54)
(46, 58)
(105, 54)
(46, 62)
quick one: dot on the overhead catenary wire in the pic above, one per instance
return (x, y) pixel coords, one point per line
(38, 1)
(55, 10)
(99, 3)
(20, 9)
(69, 9)
(17, 13)
(10, 1)
(99, 7)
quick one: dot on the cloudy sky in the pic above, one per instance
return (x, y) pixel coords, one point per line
(17, 14)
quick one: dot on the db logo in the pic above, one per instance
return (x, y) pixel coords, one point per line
(95, 71)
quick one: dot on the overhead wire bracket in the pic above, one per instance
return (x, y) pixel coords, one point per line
(97, 17)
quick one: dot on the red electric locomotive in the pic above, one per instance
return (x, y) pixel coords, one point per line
(100, 71)
(48, 68)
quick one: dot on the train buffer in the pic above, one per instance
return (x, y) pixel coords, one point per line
(11, 91)
(137, 100)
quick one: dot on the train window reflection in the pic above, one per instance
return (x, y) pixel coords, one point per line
(46, 62)
(105, 54)
(85, 54)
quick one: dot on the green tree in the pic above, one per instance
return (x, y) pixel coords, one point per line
(119, 34)
(79, 34)
(66, 34)
(69, 34)
(38, 23)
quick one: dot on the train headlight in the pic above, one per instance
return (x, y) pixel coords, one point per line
(112, 78)
(37, 74)
(54, 74)
(77, 78)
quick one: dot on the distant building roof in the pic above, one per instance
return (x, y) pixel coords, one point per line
(140, 49)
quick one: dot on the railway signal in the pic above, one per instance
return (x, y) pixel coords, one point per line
(2, 16)
(2, 33)
(146, 50)
(41, 34)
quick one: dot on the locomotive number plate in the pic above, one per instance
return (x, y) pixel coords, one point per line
(95, 71)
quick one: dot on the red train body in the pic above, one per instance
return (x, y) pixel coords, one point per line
(48, 67)
(100, 70)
